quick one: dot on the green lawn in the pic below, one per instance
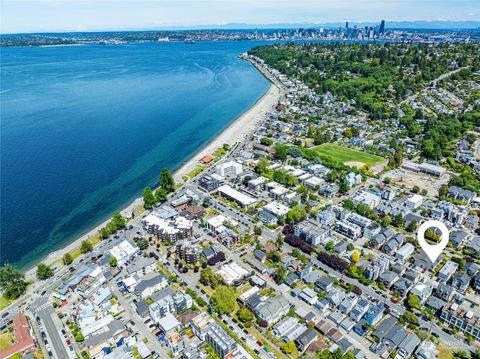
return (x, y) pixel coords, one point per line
(196, 171)
(6, 340)
(219, 152)
(4, 302)
(346, 155)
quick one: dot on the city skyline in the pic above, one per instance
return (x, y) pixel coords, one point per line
(23, 16)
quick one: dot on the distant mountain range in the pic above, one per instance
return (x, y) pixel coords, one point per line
(389, 25)
(420, 24)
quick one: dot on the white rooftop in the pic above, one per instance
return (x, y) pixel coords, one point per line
(232, 272)
(168, 322)
(236, 195)
(277, 208)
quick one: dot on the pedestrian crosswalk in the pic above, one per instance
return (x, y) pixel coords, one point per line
(39, 308)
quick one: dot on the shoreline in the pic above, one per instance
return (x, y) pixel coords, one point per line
(236, 131)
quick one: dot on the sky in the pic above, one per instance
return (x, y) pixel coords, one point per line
(94, 15)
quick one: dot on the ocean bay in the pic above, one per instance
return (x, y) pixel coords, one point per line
(85, 128)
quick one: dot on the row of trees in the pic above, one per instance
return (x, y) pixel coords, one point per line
(44, 271)
(12, 282)
(116, 223)
(224, 299)
(167, 185)
(217, 257)
(333, 261)
(295, 241)
(210, 278)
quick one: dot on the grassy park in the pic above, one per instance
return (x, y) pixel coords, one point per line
(347, 155)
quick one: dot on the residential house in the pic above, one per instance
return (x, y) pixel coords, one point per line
(147, 287)
(272, 212)
(444, 291)
(308, 295)
(324, 284)
(305, 339)
(408, 345)
(335, 297)
(348, 304)
(272, 309)
(374, 314)
(461, 282)
(447, 271)
(426, 350)
(422, 291)
(359, 310)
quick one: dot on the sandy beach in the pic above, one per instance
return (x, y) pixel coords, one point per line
(244, 125)
(236, 132)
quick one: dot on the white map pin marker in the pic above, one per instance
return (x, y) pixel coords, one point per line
(433, 251)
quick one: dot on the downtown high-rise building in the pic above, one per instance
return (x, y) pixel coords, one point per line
(381, 29)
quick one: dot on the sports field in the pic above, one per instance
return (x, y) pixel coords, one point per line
(347, 156)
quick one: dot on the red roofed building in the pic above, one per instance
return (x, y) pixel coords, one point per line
(207, 159)
(23, 339)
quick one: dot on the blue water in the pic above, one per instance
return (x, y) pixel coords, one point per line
(84, 129)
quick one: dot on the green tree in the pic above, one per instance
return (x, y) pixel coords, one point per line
(296, 213)
(44, 271)
(209, 277)
(399, 221)
(348, 133)
(67, 259)
(274, 257)
(86, 246)
(413, 301)
(280, 152)
(161, 195)
(410, 318)
(460, 354)
(330, 246)
(113, 261)
(412, 226)
(262, 166)
(166, 180)
(118, 221)
(245, 315)
(79, 337)
(280, 274)
(443, 191)
(289, 348)
(312, 130)
(224, 299)
(324, 354)
(148, 198)
(12, 281)
(355, 257)
(142, 243)
(266, 141)
(387, 220)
